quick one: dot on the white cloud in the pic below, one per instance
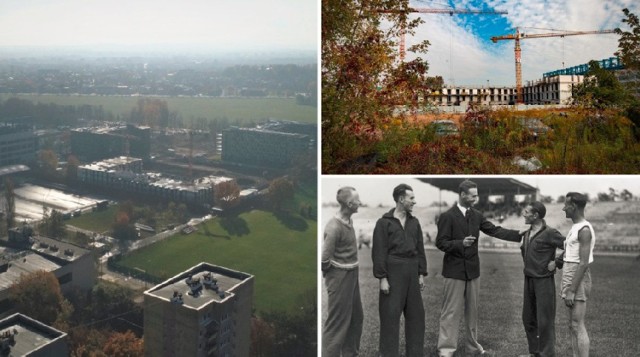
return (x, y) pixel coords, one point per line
(475, 60)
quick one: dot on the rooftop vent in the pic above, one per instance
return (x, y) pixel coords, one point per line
(7, 340)
(177, 298)
(68, 252)
(54, 248)
(221, 294)
(44, 245)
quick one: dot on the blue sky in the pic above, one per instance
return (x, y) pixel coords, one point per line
(229, 25)
(462, 52)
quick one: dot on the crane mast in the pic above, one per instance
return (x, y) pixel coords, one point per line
(432, 11)
(516, 37)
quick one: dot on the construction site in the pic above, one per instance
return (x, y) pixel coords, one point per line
(449, 90)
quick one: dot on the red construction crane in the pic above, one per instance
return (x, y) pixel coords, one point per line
(434, 11)
(522, 36)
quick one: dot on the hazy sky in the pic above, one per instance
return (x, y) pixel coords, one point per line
(376, 190)
(219, 25)
(462, 53)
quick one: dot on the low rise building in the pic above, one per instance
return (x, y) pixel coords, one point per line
(203, 311)
(21, 335)
(109, 140)
(556, 89)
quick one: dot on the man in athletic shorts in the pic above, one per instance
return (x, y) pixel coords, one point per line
(576, 277)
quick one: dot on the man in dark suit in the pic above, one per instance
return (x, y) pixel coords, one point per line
(458, 232)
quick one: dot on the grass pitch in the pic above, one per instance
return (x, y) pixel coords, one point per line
(243, 109)
(280, 251)
(612, 319)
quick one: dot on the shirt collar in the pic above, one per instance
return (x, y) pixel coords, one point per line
(462, 209)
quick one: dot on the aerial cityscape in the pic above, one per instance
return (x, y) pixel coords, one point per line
(158, 170)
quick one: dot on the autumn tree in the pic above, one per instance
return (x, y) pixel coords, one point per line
(49, 161)
(226, 194)
(362, 75)
(152, 112)
(124, 345)
(38, 295)
(52, 224)
(281, 192)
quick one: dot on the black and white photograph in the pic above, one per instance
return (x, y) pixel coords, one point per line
(479, 265)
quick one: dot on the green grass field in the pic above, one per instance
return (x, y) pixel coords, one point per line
(98, 221)
(612, 312)
(281, 254)
(244, 109)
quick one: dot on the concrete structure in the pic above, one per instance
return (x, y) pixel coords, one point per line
(18, 144)
(126, 174)
(551, 90)
(21, 335)
(112, 139)
(73, 266)
(203, 311)
(611, 63)
(464, 95)
(266, 148)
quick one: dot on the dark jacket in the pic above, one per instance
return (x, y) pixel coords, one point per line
(462, 262)
(390, 239)
(539, 250)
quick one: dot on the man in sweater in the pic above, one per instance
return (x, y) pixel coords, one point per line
(458, 232)
(576, 275)
(538, 249)
(343, 327)
(400, 263)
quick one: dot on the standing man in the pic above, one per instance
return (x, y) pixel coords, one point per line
(400, 264)
(343, 327)
(576, 277)
(539, 308)
(458, 232)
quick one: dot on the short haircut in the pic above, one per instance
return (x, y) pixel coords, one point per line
(579, 199)
(539, 208)
(400, 191)
(344, 193)
(466, 185)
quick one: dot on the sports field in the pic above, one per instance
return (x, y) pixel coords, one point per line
(280, 251)
(613, 312)
(243, 109)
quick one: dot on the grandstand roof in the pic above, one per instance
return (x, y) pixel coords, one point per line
(486, 185)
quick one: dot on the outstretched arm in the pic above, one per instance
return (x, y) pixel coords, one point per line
(492, 230)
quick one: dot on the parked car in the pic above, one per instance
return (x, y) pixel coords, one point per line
(444, 127)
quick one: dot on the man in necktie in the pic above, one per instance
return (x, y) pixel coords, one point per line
(458, 232)
(539, 253)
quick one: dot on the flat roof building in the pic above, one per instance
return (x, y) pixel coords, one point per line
(203, 311)
(21, 335)
(18, 144)
(109, 140)
(265, 148)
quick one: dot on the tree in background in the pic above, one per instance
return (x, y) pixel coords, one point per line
(281, 192)
(72, 168)
(629, 42)
(38, 295)
(124, 345)
(226, 194)
(9, 204)
(362, 77)
(49, 161)
(601, 89)
(52, 224)
(152, 112)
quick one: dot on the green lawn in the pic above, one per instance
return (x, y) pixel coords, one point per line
(612, 313)
(244, 109)
(98, 221)
(279, 250)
